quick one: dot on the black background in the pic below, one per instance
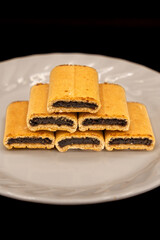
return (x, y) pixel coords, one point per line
(114, 29)
(134, 39)
(125, 31)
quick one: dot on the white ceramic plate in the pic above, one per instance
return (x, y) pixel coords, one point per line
(78, 177)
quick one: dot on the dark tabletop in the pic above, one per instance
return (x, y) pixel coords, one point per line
(131, 36)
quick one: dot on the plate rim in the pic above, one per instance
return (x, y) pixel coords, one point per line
(63, 201)
(79, 53)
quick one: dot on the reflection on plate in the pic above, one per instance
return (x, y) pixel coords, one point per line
(78, 177)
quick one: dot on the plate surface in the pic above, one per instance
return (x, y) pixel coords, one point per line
(78, 177)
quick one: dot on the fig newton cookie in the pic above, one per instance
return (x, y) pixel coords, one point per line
(113, 114)
(17, 135)
(39, 119)
(89, 140)
(73, 88)
(140, 134)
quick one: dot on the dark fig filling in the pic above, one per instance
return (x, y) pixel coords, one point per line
(30, 140)
(75, 104)
(102, 121)
(71, 141)
(141, 141)
(62, 121)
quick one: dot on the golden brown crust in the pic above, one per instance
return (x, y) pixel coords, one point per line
(140, 127)
(16, 127)
(60, 135)
(38, 109)
(113, 105)
(73, 83)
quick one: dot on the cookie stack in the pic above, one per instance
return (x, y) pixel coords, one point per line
(75, 111)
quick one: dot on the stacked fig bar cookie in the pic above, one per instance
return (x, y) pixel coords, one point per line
(74, 111)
